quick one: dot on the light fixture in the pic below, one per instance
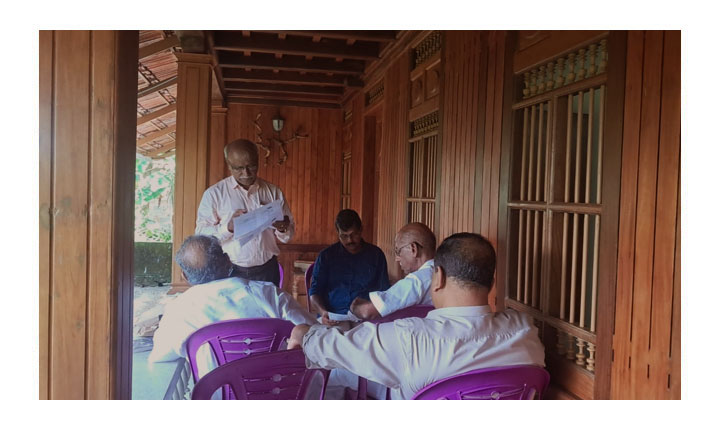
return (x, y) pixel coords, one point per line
(278, 123)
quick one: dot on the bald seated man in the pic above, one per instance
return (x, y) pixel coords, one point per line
(461, 334)
(414, 251)
(215, 295)
(241, 192)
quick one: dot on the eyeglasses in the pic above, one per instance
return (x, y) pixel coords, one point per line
(247, 168)
(399, 249)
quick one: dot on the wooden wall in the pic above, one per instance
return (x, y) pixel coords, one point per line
(647, 314)
(310, 177)
(87, 88)
(392, 160)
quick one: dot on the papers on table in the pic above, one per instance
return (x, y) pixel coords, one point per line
(250, 224)
(343, 317)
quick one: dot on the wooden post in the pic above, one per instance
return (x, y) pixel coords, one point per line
(192, 145)
(88, 95)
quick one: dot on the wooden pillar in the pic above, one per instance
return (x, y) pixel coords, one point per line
(88, 95)
(218, 139)
(192, 139)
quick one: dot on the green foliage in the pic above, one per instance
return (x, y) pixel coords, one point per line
(154, 191)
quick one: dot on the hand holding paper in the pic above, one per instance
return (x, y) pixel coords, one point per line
(252, 223)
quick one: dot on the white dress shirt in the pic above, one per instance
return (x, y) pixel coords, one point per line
(220, 300)
(408, 354)
(217, 206)
(413, 289)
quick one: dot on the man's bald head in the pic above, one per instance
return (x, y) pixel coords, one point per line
(203, 260)
(418, 233)
(242, 146)
(467, 258)
(241, 156)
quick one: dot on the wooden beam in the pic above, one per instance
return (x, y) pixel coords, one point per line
(363, 35)
(157, 87)
(294, 45)
(155, 135)
(280, 102)
(304, 89)
(284, 96)
(155, 114)
(268, 61)
(158, 46)
(285, 77)
(164, 149)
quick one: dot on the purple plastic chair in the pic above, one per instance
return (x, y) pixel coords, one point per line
(499, 383)
(419, 311)
(277, 375)
(235, 339)
(308, 279)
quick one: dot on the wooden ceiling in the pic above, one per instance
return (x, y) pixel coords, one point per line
(294, 67)
(313, 68)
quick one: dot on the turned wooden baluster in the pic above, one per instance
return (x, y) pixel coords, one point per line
(570, 355)
(571, 69)
(591, 357)
(580, 357)
(591, 60)
(559, 71)
(549, 79)
(603, 56)
(533, 82)
(541, 80)
(580, 65)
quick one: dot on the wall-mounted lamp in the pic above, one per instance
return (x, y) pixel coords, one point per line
(278, 123)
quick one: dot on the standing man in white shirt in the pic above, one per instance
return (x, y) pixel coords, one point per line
(461, 334)
(414, 250)
(241, 192)
(213, 297)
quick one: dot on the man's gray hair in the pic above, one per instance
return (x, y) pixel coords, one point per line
(202, 259)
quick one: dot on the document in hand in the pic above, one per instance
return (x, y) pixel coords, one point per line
(253, 223)
(343, 317)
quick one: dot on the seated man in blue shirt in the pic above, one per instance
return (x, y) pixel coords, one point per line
(348, 269)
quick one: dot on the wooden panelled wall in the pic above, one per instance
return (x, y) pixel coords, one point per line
(647, 314)
(392, 160)
(474, 89)
(310, 177)
(87, 88)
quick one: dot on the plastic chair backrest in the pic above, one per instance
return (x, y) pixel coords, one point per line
(282, 275)
(499, 383)
(235, 339)
(277, 375)
(308, 280)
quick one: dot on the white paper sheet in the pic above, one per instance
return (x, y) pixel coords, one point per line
(250, 224)
(343, 317)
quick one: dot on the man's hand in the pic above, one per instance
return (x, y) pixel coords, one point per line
(296, 336)
(364, 309)
(231, 226)
(282, 225)
(326, 319)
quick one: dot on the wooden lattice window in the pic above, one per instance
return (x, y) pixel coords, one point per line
(423, 174)
(345, 192)
(555, 207)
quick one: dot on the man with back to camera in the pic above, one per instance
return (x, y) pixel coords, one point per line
(241, 192)
(460, 335)
(215, 295)
(414, 251)
(346, 270)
